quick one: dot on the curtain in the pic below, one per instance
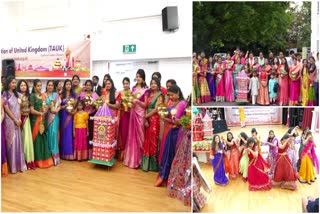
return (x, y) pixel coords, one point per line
(307, 118)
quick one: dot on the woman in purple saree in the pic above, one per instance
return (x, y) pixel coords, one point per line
(12, 123)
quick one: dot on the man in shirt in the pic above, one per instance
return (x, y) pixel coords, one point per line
(261, 59)
(292, 55)
(270, 58)
(96, 87)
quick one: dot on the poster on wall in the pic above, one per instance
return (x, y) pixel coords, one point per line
(50, 60)
(254, 116)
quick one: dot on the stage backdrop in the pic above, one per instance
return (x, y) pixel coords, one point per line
(50, 60)
(254, 116)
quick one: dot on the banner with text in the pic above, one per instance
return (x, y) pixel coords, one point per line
(50, 61)
(254, 116)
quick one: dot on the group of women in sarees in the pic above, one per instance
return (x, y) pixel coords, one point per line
(39, 129)
(270, 82)
(240, 156)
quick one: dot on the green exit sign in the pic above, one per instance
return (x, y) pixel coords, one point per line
(129, 49)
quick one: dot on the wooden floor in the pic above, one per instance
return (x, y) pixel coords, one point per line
(82, 187)
(236, 197)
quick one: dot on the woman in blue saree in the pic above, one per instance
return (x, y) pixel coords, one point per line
(217, 161)
(53, 101)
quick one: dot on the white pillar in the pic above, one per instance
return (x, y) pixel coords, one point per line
(315, 22)
(315, 120)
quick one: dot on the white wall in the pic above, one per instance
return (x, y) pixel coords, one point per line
(147, 34)
(170, 68)
(111, 25)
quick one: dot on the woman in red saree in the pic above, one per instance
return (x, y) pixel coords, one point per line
(150, 146)
(258, 178)
(263, 96)
(124, 118)
(285, 175)
(234, 156)
(294, 74)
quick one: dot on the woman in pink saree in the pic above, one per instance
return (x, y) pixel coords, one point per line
(294, 74)
(228, 79)
(283, 82)
(219, 69)
(134, 145)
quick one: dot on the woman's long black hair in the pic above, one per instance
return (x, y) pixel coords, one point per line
(304, 66)
(285, 137)
(64, 91)
(290, 131)
(244, 136)
(251, 140)
(75, 76)
(143, 76)
(6, 87)
(271, 139)
(18, 87)
(157, 80)
(35, 82)
(176, 89)
(112, 95)
(213, 144)
(54, 88)
(90, 83)
(313, 68)
(108, 77)
(126, 79)
(286, 67)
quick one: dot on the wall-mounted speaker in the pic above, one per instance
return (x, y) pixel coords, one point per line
(8, 67)
(170, 18)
